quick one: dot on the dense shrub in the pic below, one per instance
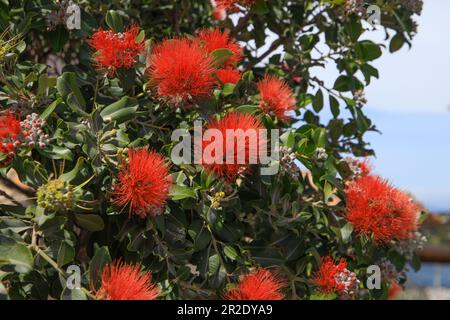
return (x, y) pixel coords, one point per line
(87, 174)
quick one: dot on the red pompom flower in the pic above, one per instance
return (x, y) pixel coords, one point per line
(213, 39)
(242, 147)
(143, 183)
(378, 210)
(276, 97)
(228, 75)
(336, 278)
(121, 281)
(181, 70)
(116, 50)
(232, 6)
(260, 284)
(10, 131)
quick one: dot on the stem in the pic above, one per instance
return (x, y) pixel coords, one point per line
(52, 262)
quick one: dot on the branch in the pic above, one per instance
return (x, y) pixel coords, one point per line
(275, 45)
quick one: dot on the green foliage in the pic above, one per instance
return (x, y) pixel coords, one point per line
(200, 243)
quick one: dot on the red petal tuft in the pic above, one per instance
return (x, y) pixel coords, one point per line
(143, 184)
(122, 281)
(232, 6)
(228, 75)
(377, 209)
(213, 39)
(235, 121)
(276, 96)
(261, 284)
(181, 70)
(116, 50)
(10, 130)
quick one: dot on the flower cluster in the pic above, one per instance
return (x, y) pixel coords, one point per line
(276, 97)
(116, 50)
(287, 163)
(183, 69)
(32, 131)
(357, 168)
(336, 279)
(236, 122)
(16, 134)
(414, 6)
(143, 183)
(121, 281)
(56, 195)
(378, 210)
(408, 247)
(260, 284)
(389, 272)
(232, 6)
(59, 16)
(10, 133)
(351, 7)
(216, 199)
(320, 155)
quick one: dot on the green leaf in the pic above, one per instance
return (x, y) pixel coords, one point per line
(66, 84)
(368, 50)
(334, 106)
(178, 192)
(50, 109)
(318, 101)
(72, 174)
(114, 21)
(99, 261)
(228, 89)
(75, 294)
(396, 43)
(260, 8)
(120, 111)
(57, 153)
(66, 254)
(221, 55)
(214, 264)
(230, 252)
(75, 105)
(90, 222)
(140, 37)
(343, 83)
(13, 253)
(346, 232)
(58, 38)
(248, 109)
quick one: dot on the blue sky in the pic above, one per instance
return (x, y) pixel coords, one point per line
(410, 105)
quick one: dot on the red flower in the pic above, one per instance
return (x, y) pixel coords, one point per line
(143, 184)
(335, 278)
(213, 39)
(181, 70)
(394, 290)
(276, 96)
(232, 6)
(248, 145)
(378, 210)
(10, 131)
(228, 75)
(122, 281)
(219, 14)
(116, 50)
(260, 284)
